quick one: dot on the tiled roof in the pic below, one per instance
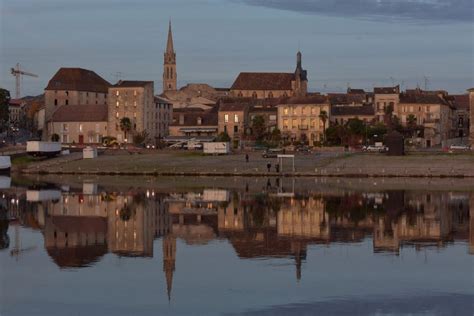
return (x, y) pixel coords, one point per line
(132, 84)
(232, 107)
(343, 98)
(77, 79)
(387, 90)
(314, 99)
(355, 91)
(347, 110)
(81, 113)
(162, 100)
(461, 101)
(263, 81)
(266, 109)
(422, 99)
(208, 118)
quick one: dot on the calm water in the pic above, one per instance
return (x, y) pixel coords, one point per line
(181, 246)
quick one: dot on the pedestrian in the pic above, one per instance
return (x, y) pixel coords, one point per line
(269, 166)
(277, 168)
(247, 158)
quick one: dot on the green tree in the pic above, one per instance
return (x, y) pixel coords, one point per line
(4, 112)
(323, 116)
(140, 138)
(55, 138)
(125, 126)
(258, 127)
(378, 129)
(223, 137)
(275, 136)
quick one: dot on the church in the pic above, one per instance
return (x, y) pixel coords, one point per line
(268, 85)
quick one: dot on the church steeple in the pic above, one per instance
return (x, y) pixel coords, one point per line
(169, 259)
(300, 86)
(169, 64)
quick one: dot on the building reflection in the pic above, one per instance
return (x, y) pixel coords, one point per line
(82, 224)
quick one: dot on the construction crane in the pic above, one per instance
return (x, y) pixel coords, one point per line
(17, 73)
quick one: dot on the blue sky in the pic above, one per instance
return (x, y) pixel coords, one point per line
(344, 42)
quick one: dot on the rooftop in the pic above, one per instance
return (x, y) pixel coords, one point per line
(387, 90)
(132, 84)
(422, 99)
(81, 113)
(78, 79)
(232, 107)
(263, 81)
(347, 110)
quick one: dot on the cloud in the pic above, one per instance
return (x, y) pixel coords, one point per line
(391, 10)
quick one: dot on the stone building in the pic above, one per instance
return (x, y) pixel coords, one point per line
(16, 112)
(193, 123)
(134, 100)
(163, 117)
(461, 115)
(263, 85)
(385, 97)
(432, 112)
(233, 120)
(268, 113)
(74, 87)
(169, 65)
(299, 118)
(343, 113)
(85, 124)
(471, 115)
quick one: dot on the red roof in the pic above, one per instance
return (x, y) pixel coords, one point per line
(461, 101)
(78, 79)
(263, 81)
(81, 113)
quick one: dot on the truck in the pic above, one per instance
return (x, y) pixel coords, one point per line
(217, 148)
(43, 149)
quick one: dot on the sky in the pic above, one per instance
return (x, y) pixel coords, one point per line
(361, 44)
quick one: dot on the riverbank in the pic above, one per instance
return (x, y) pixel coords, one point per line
(170, 163)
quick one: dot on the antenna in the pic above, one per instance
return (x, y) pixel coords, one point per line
(426, 82)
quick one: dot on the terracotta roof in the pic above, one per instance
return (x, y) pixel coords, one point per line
(387, 90)
(355, 91)
(78, 79)
(343, 98)
(365, 110)
(461, 101)
(263, 81)
(233, 107)
(208, 118)
(314, 99)
(81, 113)
(15, 102)
(260, 109)
(132, 84)
(422, 99)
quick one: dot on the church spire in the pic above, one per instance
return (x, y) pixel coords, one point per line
(169, 45)
(169, 259)
(170, 81)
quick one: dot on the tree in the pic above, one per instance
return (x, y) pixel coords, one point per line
(55, 138)
(411, 121)
(323, 116)
(275, 136)
(377, 131)
(125, 126)
(140, 138)
(258, 127)
(223, 137)
(4, 112)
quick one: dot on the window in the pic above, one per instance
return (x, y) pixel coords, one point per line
(254, 95)
(134, 92)
(285, 124)
(67, 102)
(135, 114)
(117, 114)
(226, 118)
(240, 94)
(303, 110)
(270, 95)
(236, 118)
(285, 111)
(313, 111)
(294, 124)
(117, 104)
(273, 117)
(135, 103)
(294, 110)
(67, 93)
(199, 121)
(236, 128)
(117, 93)
(97, 128)
(80, 128)
(55, 101)
(65, 139)
(65, 127)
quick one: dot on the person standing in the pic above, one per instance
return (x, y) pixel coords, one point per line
(246, 158)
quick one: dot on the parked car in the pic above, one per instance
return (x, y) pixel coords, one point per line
(272, 153)
(459, 148)
(304, 150)
(375, 148)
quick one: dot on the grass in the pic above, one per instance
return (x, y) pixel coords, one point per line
(22, 160)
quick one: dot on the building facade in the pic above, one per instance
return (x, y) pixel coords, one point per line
(86, 124)
(133, 100)
(432, 112)
(233, 120)
(300, 119)
(384, 99)
(74, 87)
(16, 112)
(261, 85)
(193, 123)
(163, 117)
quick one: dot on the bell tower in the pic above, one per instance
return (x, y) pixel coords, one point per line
(169, 65)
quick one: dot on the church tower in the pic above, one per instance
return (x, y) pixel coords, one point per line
(300, 84)
(169, 65)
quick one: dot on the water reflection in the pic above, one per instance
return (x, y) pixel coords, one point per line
(82, 224)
